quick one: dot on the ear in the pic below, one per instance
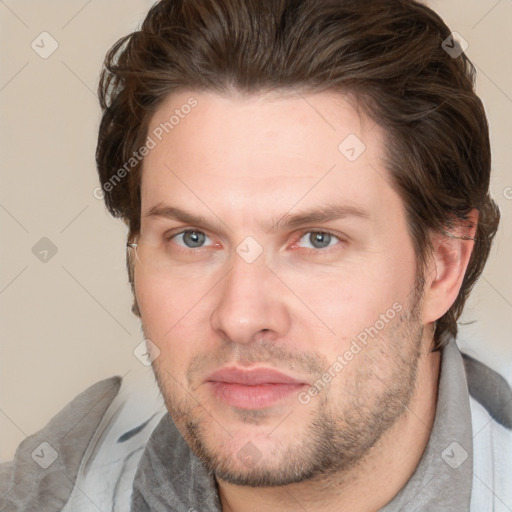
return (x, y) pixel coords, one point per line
(447, 267)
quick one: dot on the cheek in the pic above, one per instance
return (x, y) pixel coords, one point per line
(346, 301)
(155, 303)
(165, 302)
(168, 317)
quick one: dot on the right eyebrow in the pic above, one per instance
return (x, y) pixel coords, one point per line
(175, 213)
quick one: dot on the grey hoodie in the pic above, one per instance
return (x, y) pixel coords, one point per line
(115, 448)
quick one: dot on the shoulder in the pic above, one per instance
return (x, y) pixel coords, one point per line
(88, 452)
(490, 390)
(43, 459)
(491, 411)
(492, 462)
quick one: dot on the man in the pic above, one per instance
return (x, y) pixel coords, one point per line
(306, 189)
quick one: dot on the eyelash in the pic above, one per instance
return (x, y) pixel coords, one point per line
(327, 249)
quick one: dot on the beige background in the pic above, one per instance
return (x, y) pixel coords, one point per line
(67, 323)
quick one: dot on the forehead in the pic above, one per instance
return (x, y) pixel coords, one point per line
(282, 147)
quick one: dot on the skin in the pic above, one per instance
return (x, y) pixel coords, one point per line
(243, 162)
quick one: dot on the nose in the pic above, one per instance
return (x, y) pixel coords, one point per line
(252, 300)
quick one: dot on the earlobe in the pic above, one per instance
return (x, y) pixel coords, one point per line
(449, 261)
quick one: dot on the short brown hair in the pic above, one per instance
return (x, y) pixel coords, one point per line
(387, 53)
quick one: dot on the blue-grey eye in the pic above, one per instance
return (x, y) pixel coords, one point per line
(319, 239)
(193, 239)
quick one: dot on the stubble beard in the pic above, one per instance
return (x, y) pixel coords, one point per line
(335, 440)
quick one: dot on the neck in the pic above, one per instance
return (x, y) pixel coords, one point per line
(374, 481)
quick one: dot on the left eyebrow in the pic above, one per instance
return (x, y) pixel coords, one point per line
(325, 213)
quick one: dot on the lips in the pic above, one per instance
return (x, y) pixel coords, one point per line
(252, 389)
(251, 377)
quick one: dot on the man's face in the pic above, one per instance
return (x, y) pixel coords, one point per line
(331, 304)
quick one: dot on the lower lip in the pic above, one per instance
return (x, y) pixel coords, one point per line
(253, 397)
